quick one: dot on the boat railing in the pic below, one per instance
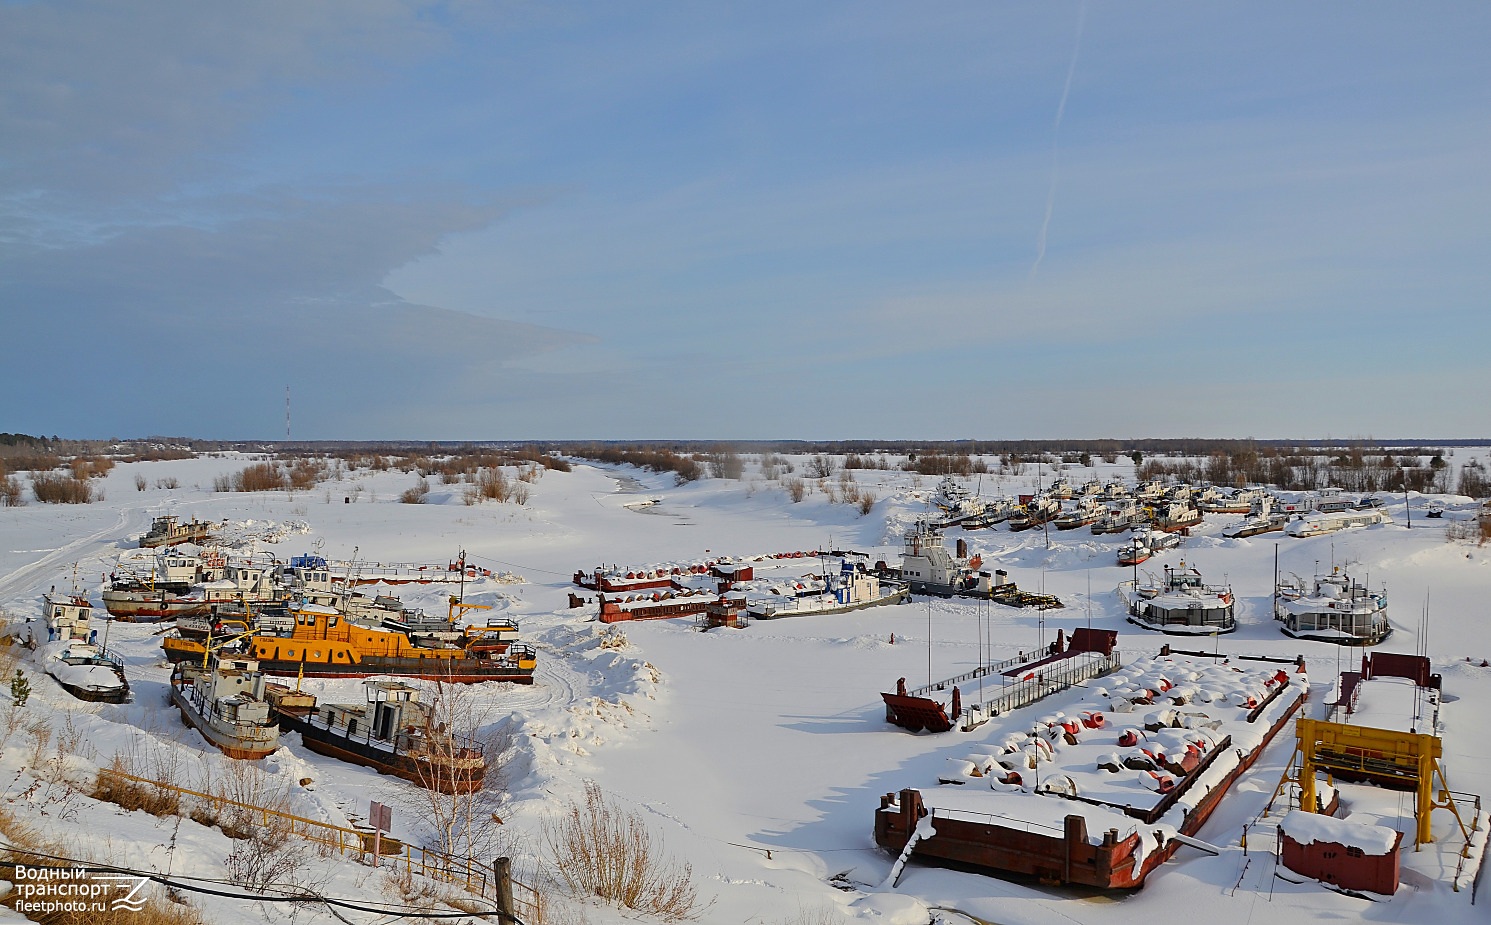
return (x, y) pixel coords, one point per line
(1043, 681)
(999, 819)
(984, 671)
(213, 709)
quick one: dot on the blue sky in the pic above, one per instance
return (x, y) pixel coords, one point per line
(469, 220)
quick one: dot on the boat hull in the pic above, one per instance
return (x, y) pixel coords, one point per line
(326, 742)
(1340, 639)
(153, 608)
(229, 745)
(94, 695)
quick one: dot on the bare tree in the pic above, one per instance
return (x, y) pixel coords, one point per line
(459, 755)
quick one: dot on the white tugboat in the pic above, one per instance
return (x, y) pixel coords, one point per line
(1338, 609)
(853, 587)
(1180, 605)
(224, 700)
(72, 656)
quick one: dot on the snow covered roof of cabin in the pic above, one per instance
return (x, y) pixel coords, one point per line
(1316, 828)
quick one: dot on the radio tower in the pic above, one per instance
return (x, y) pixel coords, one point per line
(287, 414)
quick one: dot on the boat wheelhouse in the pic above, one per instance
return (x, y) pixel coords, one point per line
(1336, 609)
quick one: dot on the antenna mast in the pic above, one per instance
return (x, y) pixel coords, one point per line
(287, 414)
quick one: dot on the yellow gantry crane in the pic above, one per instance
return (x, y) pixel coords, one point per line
(1402, 760)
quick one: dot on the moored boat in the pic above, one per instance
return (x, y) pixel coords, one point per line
(1036, 510)
(1174, 516)
(167, 530)
(1180, 605)
(1133, 552)
(393, 733)
(133, 601)
(224, 701)
(1086, 512)
(1125, 515)
(73, 657)
(324, 643)
(1337, 609)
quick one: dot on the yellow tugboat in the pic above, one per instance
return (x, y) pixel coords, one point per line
(324, 643)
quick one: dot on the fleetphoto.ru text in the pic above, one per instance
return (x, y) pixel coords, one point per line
(75, 889)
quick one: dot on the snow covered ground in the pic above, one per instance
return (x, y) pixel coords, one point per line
(758, 754)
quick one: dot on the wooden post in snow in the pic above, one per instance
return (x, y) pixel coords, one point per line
(502, 871)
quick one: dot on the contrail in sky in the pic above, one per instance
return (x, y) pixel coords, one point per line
(1040, 243)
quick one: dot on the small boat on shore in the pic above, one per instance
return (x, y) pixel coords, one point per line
(393, 733)
(1133, 552)
(73, 657)
(1145, 545)
(224, 701)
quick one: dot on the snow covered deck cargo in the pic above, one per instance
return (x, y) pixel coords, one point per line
(1103, 803)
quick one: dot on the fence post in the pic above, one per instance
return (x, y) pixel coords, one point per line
(502, 871)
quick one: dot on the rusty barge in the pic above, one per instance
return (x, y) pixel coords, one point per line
(1102, 794)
